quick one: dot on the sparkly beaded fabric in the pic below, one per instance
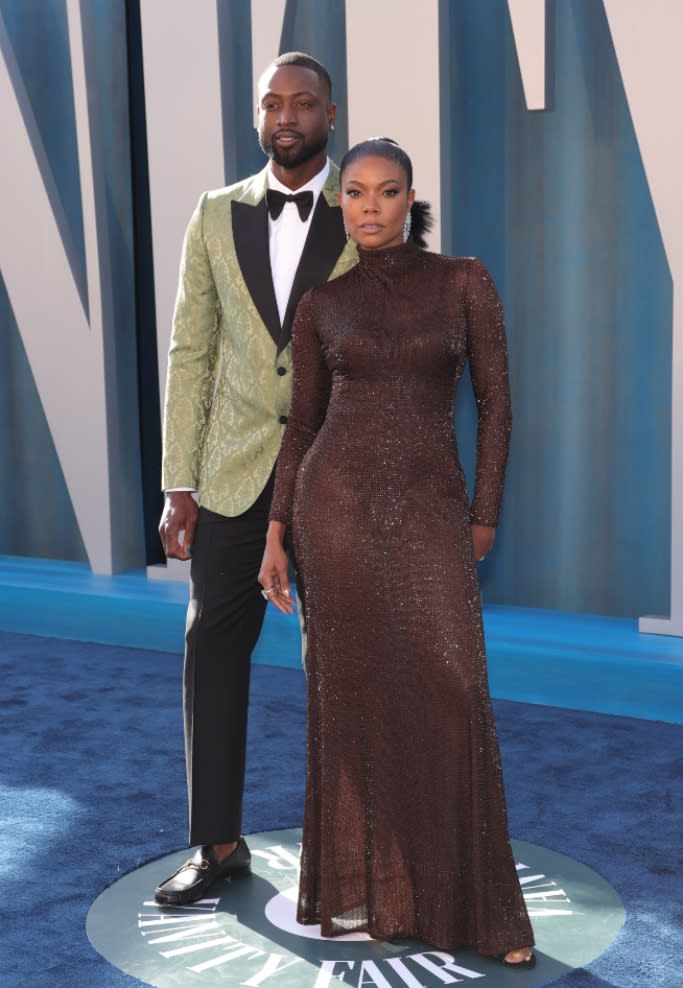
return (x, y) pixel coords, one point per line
(405, 828)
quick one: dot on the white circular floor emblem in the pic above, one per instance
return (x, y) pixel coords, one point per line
(245, 932)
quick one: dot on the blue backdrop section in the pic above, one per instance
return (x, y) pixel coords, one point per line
(557, 205)
(105, 41)
(242, 154)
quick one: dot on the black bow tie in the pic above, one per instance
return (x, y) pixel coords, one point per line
(276, 203)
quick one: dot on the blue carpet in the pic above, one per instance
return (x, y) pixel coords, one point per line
(93, 785)
(575, 661)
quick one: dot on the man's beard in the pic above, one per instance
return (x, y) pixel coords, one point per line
(292, 159)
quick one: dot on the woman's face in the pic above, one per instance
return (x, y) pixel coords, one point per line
(375, 198)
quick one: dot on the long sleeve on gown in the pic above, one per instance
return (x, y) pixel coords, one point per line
(488, 363)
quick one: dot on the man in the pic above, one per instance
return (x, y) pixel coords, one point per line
(250, 253)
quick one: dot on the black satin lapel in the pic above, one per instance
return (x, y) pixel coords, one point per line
(250, 233)
(325, 242)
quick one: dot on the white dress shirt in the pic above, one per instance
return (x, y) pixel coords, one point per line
(287, 236)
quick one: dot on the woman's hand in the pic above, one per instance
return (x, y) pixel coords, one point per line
(274, 576)
(482, 540)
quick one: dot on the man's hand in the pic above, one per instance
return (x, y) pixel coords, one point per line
(179, 515)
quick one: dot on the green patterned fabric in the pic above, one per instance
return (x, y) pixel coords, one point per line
(224, 397)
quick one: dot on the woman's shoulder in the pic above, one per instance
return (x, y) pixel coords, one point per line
(467, 264)
(464, 271)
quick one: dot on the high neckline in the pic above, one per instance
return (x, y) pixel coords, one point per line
(388, 258)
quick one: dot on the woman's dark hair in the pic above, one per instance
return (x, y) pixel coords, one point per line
(384, 147)
(379, 147)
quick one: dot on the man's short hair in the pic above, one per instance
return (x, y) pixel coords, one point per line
(305, 61)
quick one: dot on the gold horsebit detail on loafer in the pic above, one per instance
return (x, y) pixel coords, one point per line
(191, 863)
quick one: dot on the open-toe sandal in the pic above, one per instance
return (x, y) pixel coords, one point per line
(522, 965)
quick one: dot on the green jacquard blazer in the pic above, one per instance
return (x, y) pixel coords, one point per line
(230, 369)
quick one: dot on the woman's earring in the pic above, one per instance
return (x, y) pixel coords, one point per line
(346, 233)
(407, 225)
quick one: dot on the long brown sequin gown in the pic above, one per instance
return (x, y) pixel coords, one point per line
(405, 828)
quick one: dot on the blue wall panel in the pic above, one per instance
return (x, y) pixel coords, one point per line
(557, 204)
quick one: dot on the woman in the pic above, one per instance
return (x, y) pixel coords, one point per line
(405, 829)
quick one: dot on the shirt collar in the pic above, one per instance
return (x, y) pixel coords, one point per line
(315, 185)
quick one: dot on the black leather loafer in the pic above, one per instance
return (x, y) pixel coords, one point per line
(192, 879)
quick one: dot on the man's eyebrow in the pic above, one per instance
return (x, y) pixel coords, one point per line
(303, 92)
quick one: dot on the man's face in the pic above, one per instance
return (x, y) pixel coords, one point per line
(294, 115)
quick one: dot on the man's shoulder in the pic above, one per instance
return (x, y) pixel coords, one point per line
(333, 174)
(250, 189)
(254, 186)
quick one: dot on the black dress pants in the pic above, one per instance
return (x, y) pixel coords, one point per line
(224, 620)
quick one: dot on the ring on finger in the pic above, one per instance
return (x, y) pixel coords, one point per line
(268, 592)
